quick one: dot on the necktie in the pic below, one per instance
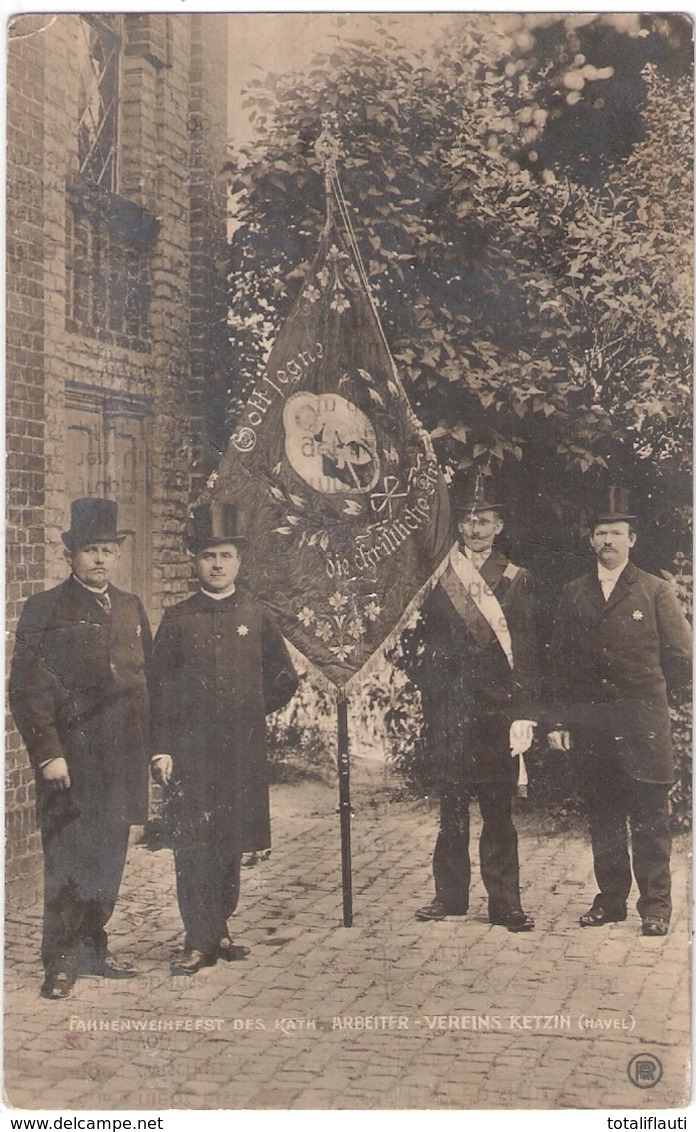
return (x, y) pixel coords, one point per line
(104, 601)
(608, 585)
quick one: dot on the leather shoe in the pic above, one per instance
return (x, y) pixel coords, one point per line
(57, 985)
(230, 951)
(597, 916)
(110, 967)
(517, 921)
(191, 962)
(655, 925)
(436, 911)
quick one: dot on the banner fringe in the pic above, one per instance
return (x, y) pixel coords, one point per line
(372, 663)
(392, 637)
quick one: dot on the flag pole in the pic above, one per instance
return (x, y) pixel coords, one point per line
(344, 805)
(326, 149)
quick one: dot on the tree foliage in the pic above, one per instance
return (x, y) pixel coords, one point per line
(521, 197)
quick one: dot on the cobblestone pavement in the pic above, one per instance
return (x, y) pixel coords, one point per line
(388, 1014)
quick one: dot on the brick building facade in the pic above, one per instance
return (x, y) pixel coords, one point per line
(115, 290)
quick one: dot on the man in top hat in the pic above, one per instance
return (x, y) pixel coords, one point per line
(220, 665)
(620, 642)
(479, 686)
(79, 697)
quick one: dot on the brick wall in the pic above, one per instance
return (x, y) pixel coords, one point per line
(208, 200)
(170, 361)
(172, 135)
(25, 393)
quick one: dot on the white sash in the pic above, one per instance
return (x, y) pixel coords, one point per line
(484, 599)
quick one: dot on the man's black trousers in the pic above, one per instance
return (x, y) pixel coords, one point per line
(207, 888)
(616, 802)
(83, 867)
(497, 848)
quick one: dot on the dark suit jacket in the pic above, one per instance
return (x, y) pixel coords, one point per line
(612, 663)
(78, 690)
(218, 668)
(470, 694)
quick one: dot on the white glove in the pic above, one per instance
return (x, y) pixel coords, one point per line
(521, 735)
(559, 740)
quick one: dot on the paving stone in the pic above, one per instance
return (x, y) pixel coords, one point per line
(306, 967)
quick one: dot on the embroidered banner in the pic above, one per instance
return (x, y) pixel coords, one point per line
(334, 478)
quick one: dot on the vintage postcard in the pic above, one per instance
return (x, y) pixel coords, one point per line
(349, 479)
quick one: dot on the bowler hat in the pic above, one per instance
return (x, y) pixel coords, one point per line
(211, 524)
(468, 499)
(616, 507)
(93, 520)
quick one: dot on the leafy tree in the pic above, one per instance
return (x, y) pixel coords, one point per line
(522, 200)
(539, 313)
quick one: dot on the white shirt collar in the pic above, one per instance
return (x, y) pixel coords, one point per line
(477, 560)
(219, 596)
(606, 575)
(92, 589)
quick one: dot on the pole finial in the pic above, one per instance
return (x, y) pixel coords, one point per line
(326, 148)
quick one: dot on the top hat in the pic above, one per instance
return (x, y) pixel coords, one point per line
(469, 499)
(93, 520)
(211, 524)
(616, 508)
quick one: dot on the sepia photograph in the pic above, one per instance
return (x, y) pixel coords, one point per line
(348, 578)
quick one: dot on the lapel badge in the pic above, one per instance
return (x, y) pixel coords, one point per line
(139, 630)
(243, 630)
(637, 615)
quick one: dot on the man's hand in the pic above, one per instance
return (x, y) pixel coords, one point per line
(521, 735)
(559, 740)
(56, 774)
(162, 768)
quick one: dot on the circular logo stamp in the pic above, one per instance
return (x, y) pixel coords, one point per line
(244, 439)
(645, 1070)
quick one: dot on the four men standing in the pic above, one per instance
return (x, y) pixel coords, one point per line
(79, 695)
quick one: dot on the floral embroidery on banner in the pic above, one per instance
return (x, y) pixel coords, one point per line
(342, 625)
(336, 277)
